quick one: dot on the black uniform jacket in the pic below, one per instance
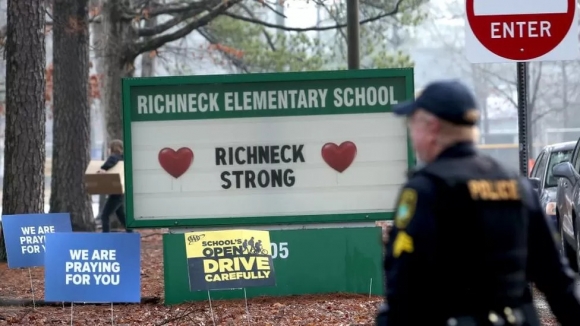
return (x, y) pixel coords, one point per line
(430, 279)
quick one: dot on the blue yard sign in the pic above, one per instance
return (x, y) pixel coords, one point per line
(25, 235)
(93, 267)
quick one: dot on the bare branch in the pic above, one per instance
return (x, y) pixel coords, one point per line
(159, 9)
(238, 63)
(266, 35)
(334, 16)
(157, 42)
(48, 13)
(314, 28)
(487, 73)
(147, 9)
(272, 9)
(95, 19)
(160, 28)
(536, 87)
(539, 116)
(497, 76)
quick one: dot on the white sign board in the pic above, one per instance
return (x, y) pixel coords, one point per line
(337, 152)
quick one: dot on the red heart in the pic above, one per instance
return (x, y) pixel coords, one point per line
(339, 157)
(175, 163)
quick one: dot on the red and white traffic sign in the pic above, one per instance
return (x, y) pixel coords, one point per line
(521, 30)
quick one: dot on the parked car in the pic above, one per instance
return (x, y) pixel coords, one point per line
(542, 178)
(567, 206)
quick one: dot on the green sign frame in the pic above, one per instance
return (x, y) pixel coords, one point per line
(403, 76)
(329, 260)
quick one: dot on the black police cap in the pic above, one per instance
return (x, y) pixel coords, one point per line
(448, 100)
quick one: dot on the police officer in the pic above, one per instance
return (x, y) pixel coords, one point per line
(468, 234)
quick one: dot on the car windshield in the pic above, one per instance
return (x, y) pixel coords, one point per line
(555, 158)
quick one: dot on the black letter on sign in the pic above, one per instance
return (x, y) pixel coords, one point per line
(264, 154)
(289, 178)
(220, 156)
(274, 153)
(250, 179)
(297, 153)
(238, 174)
(261, 176)
(276, 178)
(227, 183)
(283, 152)
(252, 154)
(238, 159)
(231, 155)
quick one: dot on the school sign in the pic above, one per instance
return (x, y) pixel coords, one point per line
(265, 148)
(278, 151)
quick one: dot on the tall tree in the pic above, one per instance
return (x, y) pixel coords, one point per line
(71, 112)
(25, 110)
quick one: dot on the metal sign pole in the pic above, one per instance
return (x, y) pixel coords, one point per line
(352, 34)
(523, 116)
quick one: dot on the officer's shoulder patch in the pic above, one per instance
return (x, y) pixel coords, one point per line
(406, 207)
(403, 243)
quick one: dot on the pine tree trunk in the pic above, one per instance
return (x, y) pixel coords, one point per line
(25, 110)
(72, 115)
